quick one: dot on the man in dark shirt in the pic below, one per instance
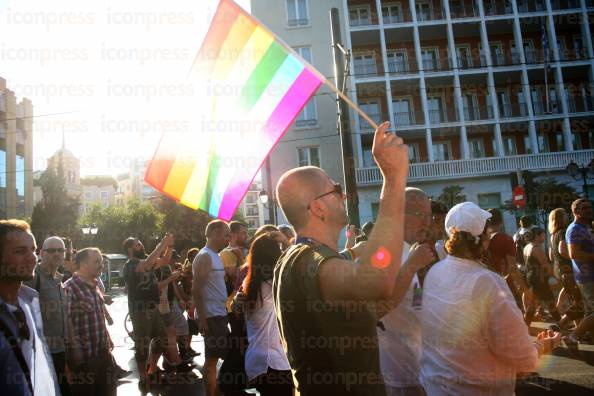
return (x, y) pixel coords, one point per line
(326, 304)
(502, 257)
(143, 299)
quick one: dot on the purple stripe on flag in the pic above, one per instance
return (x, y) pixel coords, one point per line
(276, 126)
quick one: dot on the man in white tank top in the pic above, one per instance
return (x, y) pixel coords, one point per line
(210, 296)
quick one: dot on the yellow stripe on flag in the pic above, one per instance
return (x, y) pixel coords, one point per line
(240, 33)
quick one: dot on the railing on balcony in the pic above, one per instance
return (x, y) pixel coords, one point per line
(404, 118)
(540, 107)
(481, 167)
(498, 7)
(474, 113)
(531, 6)
(532, 55)
(573, 54)
(463, 11)
(579, 104)
(388, 19)
(433, 15)
(397, 66)
(365, 68)
(565, 4)
(513, 110)
(365, 125)
(298, 22)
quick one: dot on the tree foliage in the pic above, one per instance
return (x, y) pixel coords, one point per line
(452, 195)
(117, 222)
(57, 212)
(99, 181)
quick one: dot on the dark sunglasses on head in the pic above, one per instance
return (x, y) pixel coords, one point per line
(336, 190)
(54, 250)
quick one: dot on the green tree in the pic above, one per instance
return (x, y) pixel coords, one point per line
(452, 195)
(117, 222)
(57, 212)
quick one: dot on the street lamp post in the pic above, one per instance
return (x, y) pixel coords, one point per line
(576, 171)
(270, 204)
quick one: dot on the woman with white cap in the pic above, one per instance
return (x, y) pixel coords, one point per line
(475, 341)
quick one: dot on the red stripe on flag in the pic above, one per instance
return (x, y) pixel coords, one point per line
(161, 164)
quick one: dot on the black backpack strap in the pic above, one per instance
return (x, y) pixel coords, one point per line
(16, 349)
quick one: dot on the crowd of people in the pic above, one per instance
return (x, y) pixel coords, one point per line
(425, 300)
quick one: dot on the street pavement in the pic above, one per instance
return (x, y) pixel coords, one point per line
(559, 374)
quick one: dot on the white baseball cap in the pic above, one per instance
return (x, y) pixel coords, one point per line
(467, 216)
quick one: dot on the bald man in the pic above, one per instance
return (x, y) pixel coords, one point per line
(52, 298)
(326, 304)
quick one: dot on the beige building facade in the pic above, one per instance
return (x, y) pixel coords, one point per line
(16, 154)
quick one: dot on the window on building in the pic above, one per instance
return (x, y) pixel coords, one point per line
(309, 115)
(372, 108)
(368, 160)
(489, 200)
(430, 58)
(423, 11)
(20, 185)
(88, 196)
(403, 115)
(509, 145)
(476, 147)
(308, 156)
(470, 107)
(297, 14)
(442, 151)
(543, 143)
(576, 138)
(104, 195)
(360, 15)
(464, 56)
(392, 13)
(435, 107)
(397, 62)
(365, 64)
(413, 153)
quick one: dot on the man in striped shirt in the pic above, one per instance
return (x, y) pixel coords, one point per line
(90, 344)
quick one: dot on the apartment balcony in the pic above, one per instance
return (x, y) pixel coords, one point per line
(512, 111)
(540, 107)
(531, 6)
(463, 11)
(433, 15)
(580, 104)
(498, 7)
(475, 113)
(365, 126)
(565, 4)
(398, 66)
(469, 62)
(366, 68)
(440, 117)
(480, 167)
(403, 119)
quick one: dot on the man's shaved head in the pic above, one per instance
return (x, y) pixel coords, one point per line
(296, 189)
(53, 242)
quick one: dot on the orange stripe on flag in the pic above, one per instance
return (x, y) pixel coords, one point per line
(222, 23)
(159, 168)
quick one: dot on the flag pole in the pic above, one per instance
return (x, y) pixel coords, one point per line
(350, 103)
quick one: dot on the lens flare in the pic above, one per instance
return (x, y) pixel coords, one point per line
(381, 258)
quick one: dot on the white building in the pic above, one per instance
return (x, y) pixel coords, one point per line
(470, 116)
(252, 209)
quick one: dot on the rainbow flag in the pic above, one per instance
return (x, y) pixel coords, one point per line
(256, 87)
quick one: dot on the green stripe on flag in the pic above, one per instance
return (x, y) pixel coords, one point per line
(213, 171)
(262, 75)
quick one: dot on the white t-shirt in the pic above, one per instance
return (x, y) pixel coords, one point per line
(474, 336)
(214, 294)
(400, 343)
(264, 344)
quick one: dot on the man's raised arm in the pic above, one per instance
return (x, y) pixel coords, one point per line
(380, 261)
